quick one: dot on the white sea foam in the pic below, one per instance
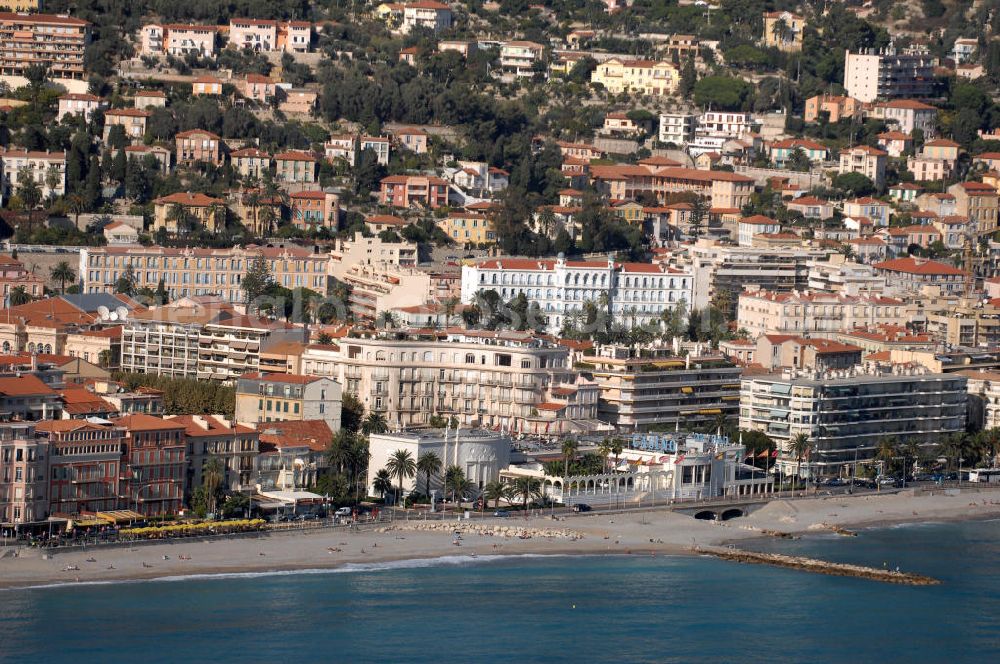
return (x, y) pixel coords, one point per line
(346, 568)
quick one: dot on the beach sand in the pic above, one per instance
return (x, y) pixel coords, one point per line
(647, 532)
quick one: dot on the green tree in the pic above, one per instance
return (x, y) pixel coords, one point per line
(528, 488)
(352, 413)
(854, 184)
(127, 283)
(495, 491)
(382, 484)
(456, 483)
(798, 160)
(28, 189)
(401, 466)
(256, 282)
(62, 273)
(429, 464)
(374, 423)
(17, 296)
(569, 447)
(722, 93)
(799, 447)
(213, 476)
(689, 76)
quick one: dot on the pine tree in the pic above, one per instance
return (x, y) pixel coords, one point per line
(688, 78)
(118, 167)
(257, 280)
(92, 185)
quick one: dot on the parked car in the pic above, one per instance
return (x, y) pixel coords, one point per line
(343, 511)
(581, 507)
(502, 514)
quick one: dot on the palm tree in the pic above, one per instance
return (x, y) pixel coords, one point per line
(374, 423)
(605, 449)
(212, 476)
(382, 483)
(429, 464)
(495, 491)
(455, 481)
(17, 296)
(569, 448)
(386, 319)
(617, 445)
(779, 30)
(888, 450)
(799, 447)
(401, 466)
(62, 273)
(528, 488)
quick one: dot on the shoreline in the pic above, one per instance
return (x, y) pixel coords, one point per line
(422, 543)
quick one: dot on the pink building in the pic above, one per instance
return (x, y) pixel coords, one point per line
(198, 145)
(312, 210)
(260, 89)
(24, 472)
(414, 190)
(14, 275)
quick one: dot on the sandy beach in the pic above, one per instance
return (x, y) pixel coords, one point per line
(647, 532)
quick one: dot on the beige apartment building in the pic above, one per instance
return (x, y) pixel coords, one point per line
(59, 42)
(867, 161)
(15, 164)
(784, 31)
(809, 313)
(508, 380)
(179, 213)
(131, 120)
(177, 39)
(191, 272)
(979, 203)
(646, 387)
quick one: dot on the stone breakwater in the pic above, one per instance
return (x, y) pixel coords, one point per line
(821, 566)
(486, 530)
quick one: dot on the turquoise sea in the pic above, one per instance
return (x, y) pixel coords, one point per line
(542, 609)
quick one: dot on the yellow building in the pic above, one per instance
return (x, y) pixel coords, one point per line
(21, 5)
(783, 30)
(648, 77)
(179, 212)
(468, 228)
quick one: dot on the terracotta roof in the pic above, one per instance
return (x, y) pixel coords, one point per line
(187, 198)
(53, 19)
(295, 155)
(314, 434)
(918, 266)
(250, 152)
(24, 385)
(196, 132)
(128, 112)
(196, 426)
(908, 104)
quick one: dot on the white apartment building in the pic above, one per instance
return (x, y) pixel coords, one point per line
(907, 114)
(864, 159)
(677, 127)
(723, 271)
(429, 14)
(636, 293)
(715, 128)
(503, 380)
(838, 275)
(883, 75)
(79, 104)
(807, 313)
(847, 413)
(519, 57)
(39, 166)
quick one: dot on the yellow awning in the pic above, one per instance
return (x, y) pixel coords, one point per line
(731, 397)
(687, 390)
(87, 523)
(710, 411)
(119, 516)
(668, 364)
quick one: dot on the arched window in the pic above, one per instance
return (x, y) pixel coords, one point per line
(48, 348)
(6, 346)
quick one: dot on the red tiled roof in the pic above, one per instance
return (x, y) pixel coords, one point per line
(24, 385)
(314, 434)
(915, 266)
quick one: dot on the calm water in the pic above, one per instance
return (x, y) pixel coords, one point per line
(543, 610)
